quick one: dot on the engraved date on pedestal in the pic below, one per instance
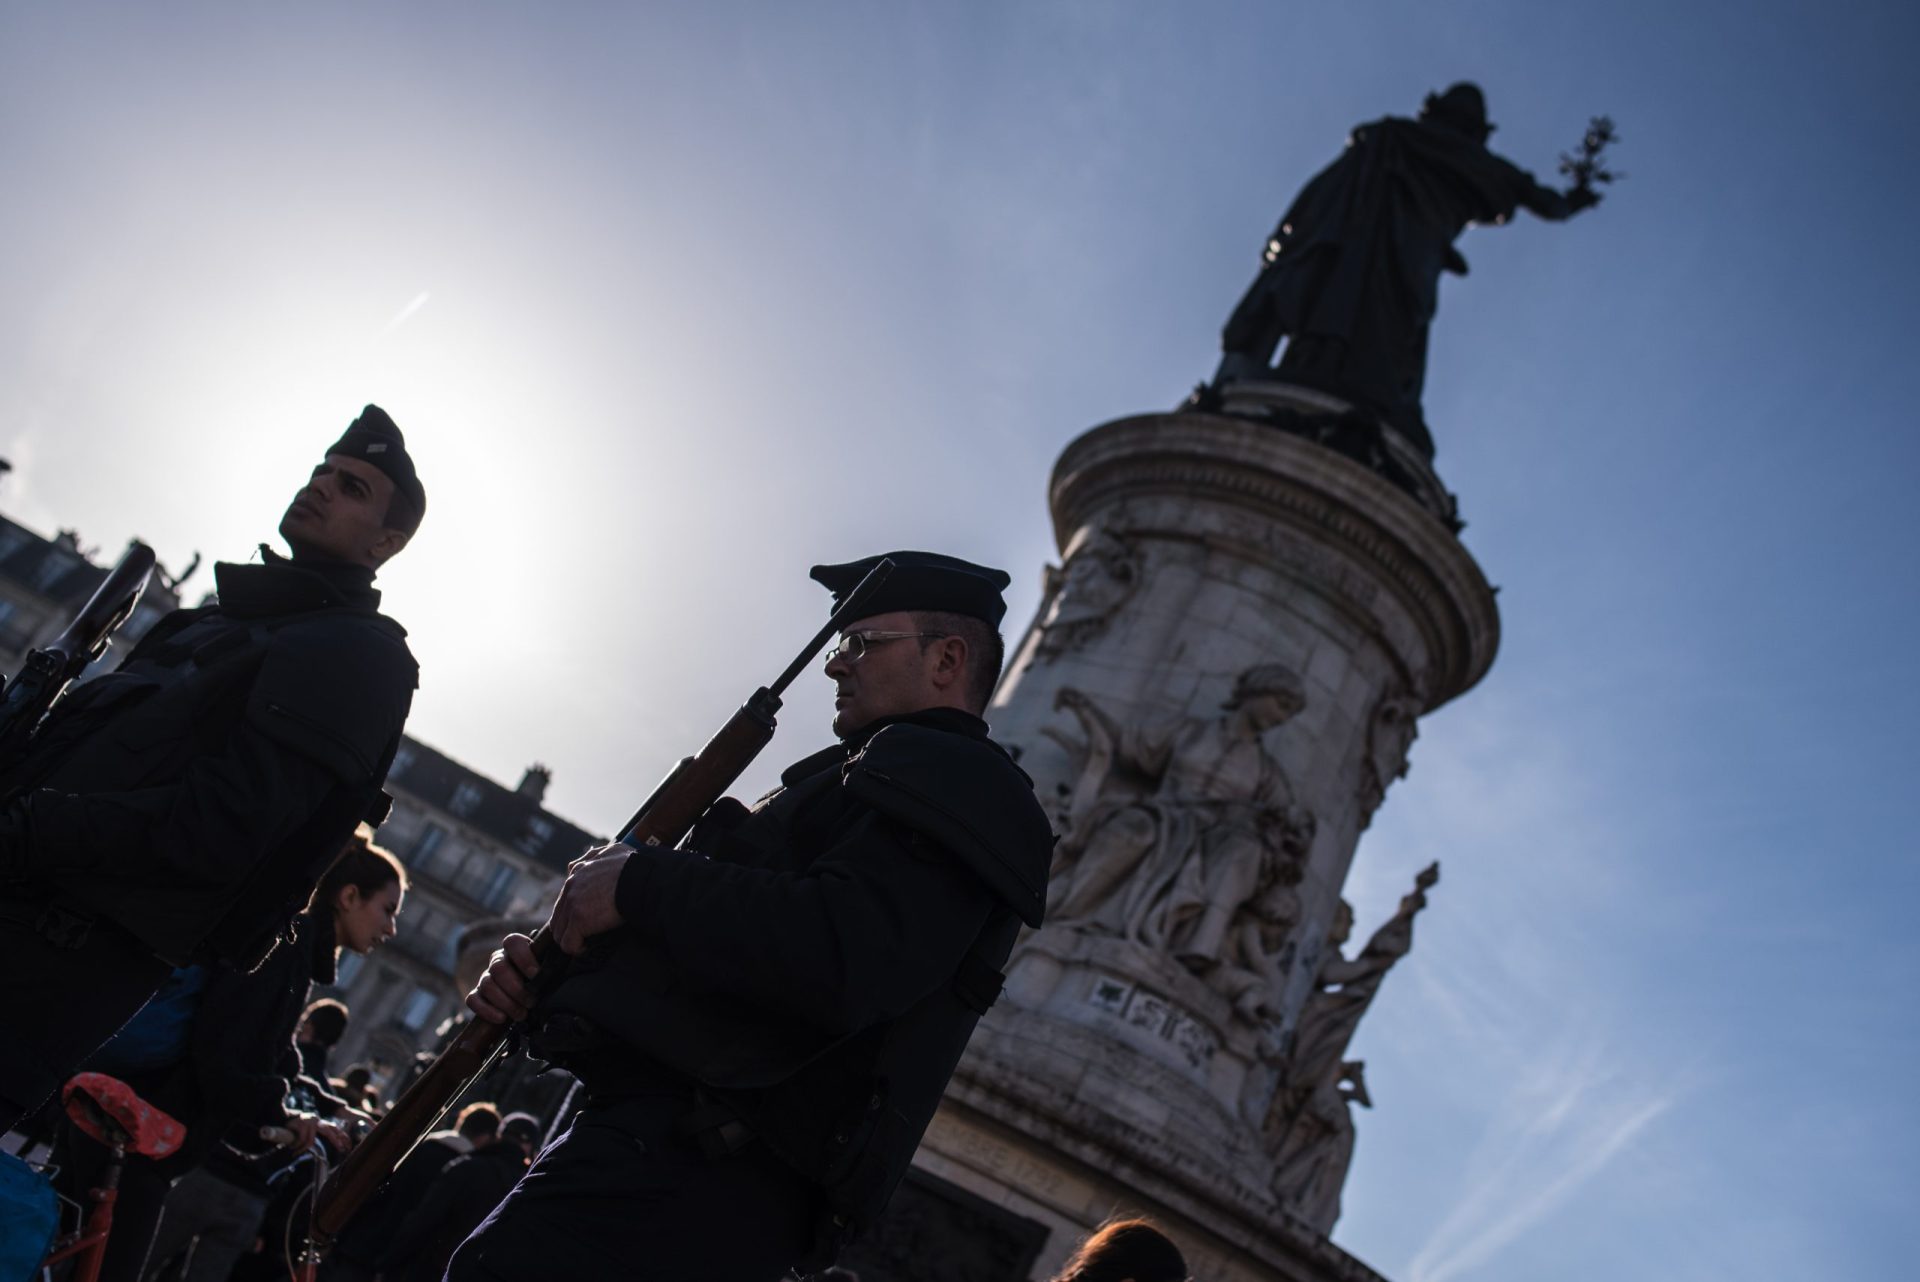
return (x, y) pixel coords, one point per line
(1141, 1008)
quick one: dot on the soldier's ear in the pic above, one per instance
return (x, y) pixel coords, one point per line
(951, 665)
(388, 545)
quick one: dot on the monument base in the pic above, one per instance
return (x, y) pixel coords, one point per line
(1022, 1184)
(1220, 685)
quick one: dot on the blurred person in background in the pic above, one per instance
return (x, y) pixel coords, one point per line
(244, 1065)
(458, 1198)
(321, 1027)
(1126, 1251)
(368, 1234)
(355, 1086)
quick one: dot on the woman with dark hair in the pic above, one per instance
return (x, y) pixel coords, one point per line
(1126, 1251)
(234, 1066)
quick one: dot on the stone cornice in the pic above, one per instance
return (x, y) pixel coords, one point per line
(1225, 460)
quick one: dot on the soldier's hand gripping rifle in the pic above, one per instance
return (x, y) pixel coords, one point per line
(48, 672)
(663, 820)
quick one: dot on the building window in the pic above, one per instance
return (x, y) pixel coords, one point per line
(498, 887)
(466, 798)
(350, 964)
(423, 936)
(52, 570)
(14, 633)
(539, 832)
(419, 1008)
(402, 761)
(423, 847)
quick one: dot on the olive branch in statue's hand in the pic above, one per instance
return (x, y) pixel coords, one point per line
(1586, 167)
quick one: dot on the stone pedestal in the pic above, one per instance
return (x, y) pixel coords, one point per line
(1222, 681)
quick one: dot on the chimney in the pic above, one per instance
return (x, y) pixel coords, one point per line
(534, 783)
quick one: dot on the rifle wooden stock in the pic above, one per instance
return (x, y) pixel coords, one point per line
(666, 817)
(662, 820)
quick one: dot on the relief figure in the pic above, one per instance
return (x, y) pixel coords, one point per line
(1182, 836)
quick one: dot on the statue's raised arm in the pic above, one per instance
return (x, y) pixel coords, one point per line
(1350, 277)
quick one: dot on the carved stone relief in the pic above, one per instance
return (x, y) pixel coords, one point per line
(1313, 1154)
(1342, 993)
(1184, 837)
(1391, 730)
(1087, 592)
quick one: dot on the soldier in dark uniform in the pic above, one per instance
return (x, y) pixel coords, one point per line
(765, 1027)
(180, 809)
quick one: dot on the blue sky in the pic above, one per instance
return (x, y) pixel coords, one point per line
(675, 301)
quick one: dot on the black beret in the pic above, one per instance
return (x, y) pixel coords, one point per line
(923, 581)
(375, 438)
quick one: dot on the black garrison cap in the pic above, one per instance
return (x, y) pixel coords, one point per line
(375, 438)
(923, 581)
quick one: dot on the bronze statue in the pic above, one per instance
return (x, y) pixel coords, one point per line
(1351, 275)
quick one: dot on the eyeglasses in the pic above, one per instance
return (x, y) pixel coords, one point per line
(854, 645)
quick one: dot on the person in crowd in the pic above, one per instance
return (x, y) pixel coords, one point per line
(1132, 1250)
(356, 1087)
(321, 1027)
(360, 1246)
(243, 1065)
(459, 1197)
(179, 810)
(763, 1033)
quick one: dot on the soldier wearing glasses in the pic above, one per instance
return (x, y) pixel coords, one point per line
(764, 1027)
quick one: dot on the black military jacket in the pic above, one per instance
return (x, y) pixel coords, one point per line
(196, 794)
(821, 961)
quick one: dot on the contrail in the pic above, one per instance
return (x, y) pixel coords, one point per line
(400, 317)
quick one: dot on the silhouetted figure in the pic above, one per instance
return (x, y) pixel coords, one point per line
(1125, 1251)
(230, 1071)
(357, 1253)
(1351, 276)
(178, 810)
(456, 1200)
(356, 1088)
(322, 1026)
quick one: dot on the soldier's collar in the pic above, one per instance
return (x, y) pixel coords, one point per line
(281, 586)
(952, 720)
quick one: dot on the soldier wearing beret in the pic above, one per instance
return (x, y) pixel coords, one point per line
(765, 1019)
(179, 810)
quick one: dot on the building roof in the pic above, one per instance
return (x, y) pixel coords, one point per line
(511, 818)
(55, 568)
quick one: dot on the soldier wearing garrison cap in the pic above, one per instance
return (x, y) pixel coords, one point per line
(179, 810)
(765, 1019)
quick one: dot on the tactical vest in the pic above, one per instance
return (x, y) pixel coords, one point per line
(180, 696)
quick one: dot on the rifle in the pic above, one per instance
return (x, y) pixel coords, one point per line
(664, 819)
(47, 672)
